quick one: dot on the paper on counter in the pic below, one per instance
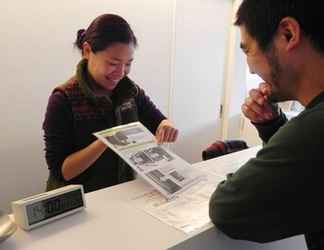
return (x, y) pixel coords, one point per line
(188, 212)
(222, 169)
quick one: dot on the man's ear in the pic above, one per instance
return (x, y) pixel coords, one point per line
(86, 50)
(289, 30)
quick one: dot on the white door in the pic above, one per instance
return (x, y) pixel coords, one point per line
(201, 33)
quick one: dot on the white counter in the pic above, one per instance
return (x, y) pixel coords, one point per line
(111, 222)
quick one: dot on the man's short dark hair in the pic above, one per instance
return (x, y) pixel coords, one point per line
(262, 17)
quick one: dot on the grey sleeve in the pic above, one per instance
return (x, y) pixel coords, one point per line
(267, 130)
(276, 194)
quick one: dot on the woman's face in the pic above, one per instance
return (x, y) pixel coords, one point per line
(107, 67)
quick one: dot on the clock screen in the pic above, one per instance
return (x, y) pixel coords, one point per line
(51, 207)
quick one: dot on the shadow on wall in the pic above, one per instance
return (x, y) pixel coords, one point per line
(234, 127)
(23, 172)
(249, 133)
(190, 144)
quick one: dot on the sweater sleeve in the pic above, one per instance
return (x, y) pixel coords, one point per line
(268, 129)
(275, 195)
(58, 134)
(148, 113)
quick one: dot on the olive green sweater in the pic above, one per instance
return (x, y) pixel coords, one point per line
(278, 193)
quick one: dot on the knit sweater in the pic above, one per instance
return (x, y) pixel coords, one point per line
(75, 112)
(276, 194)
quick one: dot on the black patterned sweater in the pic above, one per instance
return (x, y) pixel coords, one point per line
(74, 113)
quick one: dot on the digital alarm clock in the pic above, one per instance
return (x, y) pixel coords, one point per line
(40, 209)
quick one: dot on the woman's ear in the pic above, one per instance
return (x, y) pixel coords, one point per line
(289, 30)
(86, 50)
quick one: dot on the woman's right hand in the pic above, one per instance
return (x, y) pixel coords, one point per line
(77, 162)
(257, 107)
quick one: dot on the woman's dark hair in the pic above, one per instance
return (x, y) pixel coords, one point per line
(104, 31)
(261, 19)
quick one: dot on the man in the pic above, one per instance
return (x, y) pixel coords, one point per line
(278, 193)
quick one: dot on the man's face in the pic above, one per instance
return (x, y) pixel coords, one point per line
(266, 65)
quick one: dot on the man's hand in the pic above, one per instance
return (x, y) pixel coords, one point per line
(166, 132)
(257, 107)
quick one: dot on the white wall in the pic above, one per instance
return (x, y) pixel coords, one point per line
(37, 53)
(234, 87)
(202, 32)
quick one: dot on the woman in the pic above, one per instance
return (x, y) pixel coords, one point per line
(99, 96)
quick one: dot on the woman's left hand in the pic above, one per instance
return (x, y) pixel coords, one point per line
(166, 132)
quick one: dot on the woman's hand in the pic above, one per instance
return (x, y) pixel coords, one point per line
(166, 132)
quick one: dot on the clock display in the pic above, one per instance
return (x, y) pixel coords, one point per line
(51, 207)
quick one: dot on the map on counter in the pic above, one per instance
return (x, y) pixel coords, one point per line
(189, 212)
(163, 169)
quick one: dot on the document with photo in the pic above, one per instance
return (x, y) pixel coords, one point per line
(163, 169)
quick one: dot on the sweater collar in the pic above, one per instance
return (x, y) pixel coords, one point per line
(84, 80)
(125, 89)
